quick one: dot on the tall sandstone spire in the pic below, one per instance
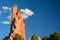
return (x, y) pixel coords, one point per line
(17, 24)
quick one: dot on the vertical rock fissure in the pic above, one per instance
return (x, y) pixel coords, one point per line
(17, 24)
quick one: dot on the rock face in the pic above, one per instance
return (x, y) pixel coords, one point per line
(39, 38)
(17, 24)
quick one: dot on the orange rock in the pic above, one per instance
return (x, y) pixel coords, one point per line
(17, 24)
(39, 38)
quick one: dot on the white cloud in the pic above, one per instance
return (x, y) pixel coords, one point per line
(5, 22)
(24, 16)
(26, 13)
(9, 16)
(6, 8)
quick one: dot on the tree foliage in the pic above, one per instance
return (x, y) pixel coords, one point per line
(54, 36)
(45, 38)
(18, 37)
(34, 37)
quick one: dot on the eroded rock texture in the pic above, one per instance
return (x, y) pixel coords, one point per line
(17, 24)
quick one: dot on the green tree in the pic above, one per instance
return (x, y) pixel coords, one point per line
(34, 37)
(45, 38)
(18, 37)
(54, 36)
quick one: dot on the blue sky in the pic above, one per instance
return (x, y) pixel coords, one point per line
(46, 18)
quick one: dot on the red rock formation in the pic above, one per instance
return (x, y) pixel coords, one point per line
(17, 24)
(39, 38)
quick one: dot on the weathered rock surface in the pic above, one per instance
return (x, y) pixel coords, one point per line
(17, 24)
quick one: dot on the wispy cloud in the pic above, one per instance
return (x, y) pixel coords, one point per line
(5, 8)
(26, 13)
(24, 16)
(9, 16)
(5, 22)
